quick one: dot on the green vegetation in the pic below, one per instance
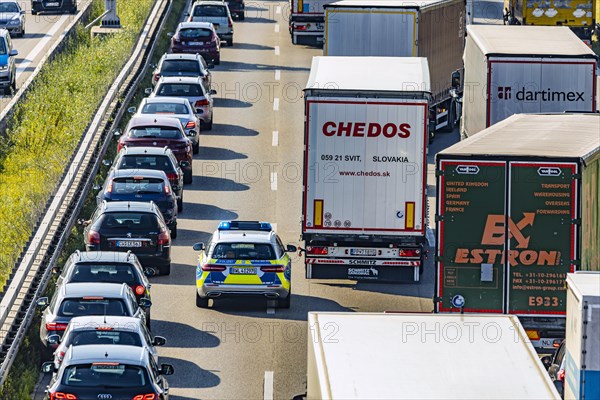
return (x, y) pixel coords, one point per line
(24, 373)
(47, 126)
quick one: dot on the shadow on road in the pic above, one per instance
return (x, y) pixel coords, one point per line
(186, 237)
(229, 130)
(231, 103)
(189, 375)
(181, 275)
(206, 212)
(231, 66)
(217, 153)
(183, 336)
(259, 20)
(211, 183)
(251, 46)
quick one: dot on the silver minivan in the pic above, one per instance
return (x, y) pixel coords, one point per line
(216, 12)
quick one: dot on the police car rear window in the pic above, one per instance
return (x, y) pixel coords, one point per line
(244, 251)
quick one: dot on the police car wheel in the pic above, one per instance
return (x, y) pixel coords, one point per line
(201, 302)
(285, 303)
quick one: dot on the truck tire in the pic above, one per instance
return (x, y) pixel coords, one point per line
(201, 302)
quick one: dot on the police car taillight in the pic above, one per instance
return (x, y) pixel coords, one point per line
(213, 267)
(273, 268)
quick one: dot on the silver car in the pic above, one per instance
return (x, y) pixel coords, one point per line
(176, 107)
(109, 330)
(216, 12)
(190, 88)
(12, 18)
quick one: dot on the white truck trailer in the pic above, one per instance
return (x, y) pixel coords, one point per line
(524, 69)
(306, 19)
(434, 29)
(422, 356)
(364, 210)
(582, 358)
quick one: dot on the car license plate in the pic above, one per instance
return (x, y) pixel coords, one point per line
(53, 4)
(196, 43)
(129, 243)
(363, 252)
(243, 271)
(546, 342)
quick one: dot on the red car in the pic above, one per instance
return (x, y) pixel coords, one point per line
(197, 38)
(153, 131)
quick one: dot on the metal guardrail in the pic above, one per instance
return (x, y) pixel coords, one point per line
(29, 280)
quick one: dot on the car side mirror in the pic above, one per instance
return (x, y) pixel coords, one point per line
(149, 272)
(159, 341)
(213, 91)
(166, 369)
(145, 302)
(53, 339)
(291, 248)
(106, 163)
(131, 110)
(192, 133)
(171, 34)
(455, 80)
(48, 367)
(84, 222)
(96, 187)
(116, 132)
(184, 164)
(199, 246)
(42, 302)
(547, 361)
(148, 91)
(55, 270)
(13, 52)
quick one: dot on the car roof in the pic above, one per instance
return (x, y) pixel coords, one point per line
(180, 79)
(180, 56)
(137, 150)
(100, 289)
(210, 2)
(146, 173)
(165, 99)
(89, 322)
(153, 120)
(101, 353)
(112, 206)
(197, 24)
(104, 256)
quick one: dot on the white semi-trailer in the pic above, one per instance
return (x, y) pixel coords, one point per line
(364, 213)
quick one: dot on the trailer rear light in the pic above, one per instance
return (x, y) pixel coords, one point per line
(323, 251)
(213, 268)
(533, 335)
(56, 326)
(300, 27)
(409, 252)
(273, 268)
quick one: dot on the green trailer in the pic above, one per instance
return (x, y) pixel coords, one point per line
(518, 209)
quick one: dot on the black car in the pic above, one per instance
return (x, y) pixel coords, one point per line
(556, 368)
(131, 225)
(108, 372)
(142, 185)
(84, 299)
(157, 159)
(38, 6)
(237, 8)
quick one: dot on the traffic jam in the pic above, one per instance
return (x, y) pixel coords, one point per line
(510, 231)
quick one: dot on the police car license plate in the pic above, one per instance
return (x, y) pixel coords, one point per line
(363, 252)
(243, 271)
(129, 243)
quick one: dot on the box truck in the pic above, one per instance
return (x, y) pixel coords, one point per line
(582, 356)
(363, 213)
(421, 356)
(577, 15)
(306, 19)
(524, 69)
(434, 29)
(517, 209)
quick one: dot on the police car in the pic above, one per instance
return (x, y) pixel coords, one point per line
(244, 258)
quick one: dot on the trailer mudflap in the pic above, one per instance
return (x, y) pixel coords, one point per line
(380, 273)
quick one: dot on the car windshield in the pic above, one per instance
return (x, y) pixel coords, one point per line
(165, 108)
(110, 273)
(243, 251)
(108, 374)
(129, 220)
(8, 7)
(210, 10)
(180, 90)
(137, 185)
(159, 132)
(103, 336)
(161, 163)
(92, 306)
(195, 33)
(189, 66)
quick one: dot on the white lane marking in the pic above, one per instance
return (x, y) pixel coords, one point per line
(275, 138)
(268, 387)
(40, 46)
(276, 28)
(273, 181)
(276, 104)
(276, 50)
(277, 74)
(278, 10)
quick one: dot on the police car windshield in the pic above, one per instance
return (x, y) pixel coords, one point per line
(243, 251)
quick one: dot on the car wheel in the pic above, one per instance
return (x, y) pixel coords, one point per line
(218, 60)
(187, 177)
(285, 303)
(196, 148)
(201, 302)
(165, 270)
(13, 85)
(230, 42)
(242, 16)
(174, 232)
(209, 125)
(180, 204)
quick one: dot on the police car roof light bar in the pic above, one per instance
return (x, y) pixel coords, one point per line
(245, 225)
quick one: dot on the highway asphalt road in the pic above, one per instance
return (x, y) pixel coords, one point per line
(41, 32)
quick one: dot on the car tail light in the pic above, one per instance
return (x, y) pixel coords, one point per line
(139, 290)
(56, 326)
(213, 267)
(164, 239)
(176, 39)
(62, 395)
(149, 396)
(167, 188)
(109, 188)
(93, 237)
(409, 252)
(230, 23)
(156, 76)
(60, 356)
(317, 250)
(273, 268)
(119, 146)
(201, 103)
(190, 125)
(561, 375)
(172, 177)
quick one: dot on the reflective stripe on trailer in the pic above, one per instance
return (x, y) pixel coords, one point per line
(364, 262)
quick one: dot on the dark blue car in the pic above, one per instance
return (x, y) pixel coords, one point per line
(142, 185)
